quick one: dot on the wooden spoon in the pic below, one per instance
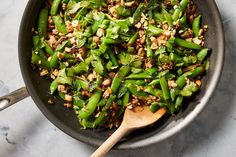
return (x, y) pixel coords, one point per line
(136, 118)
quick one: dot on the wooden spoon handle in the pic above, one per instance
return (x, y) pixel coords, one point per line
(111, 141)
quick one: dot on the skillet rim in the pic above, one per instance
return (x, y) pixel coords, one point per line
(144, 142)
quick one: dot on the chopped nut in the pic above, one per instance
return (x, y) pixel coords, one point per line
(197, 41)
(72, 40)
(106, 82)
(68, 105)
(142, 20)
(55, 31)
(154, 46)
(50, 101)
(96, 39)
(111, 74)
(55, 72)
(91, 77)
(69, 26)
(60, 55)
(107, 93)
(100, 32)
(152, 21)
(82, 51)
(172, 84)
(67, 49)
(44, 72)
(52, 40)
(68, 98)
(79, 56)
(129, 4)
(64, 5)
(200, 32)
(75, 23)
(62, 88)
(198, 82)
(165, 26)
(138, 25)
(130, 106)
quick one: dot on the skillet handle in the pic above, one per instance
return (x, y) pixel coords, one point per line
(12, 98)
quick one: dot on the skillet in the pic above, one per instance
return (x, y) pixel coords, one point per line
(65, 119)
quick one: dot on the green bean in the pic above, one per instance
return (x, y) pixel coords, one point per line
(173, 93)
(55, 6)
(87, 122)
(138, 12)
(181, 81)
(41, 62)
(53, 86)
(125, 102)
(54, 60)
(112, 57)
(42, 22)
(165, 88)
(182, 7)
(36, 40)
(153, 91)
(87, 110)
(179, 101)
(202, 55)
(149, 50)
(77, 101)
(196, 25)
(183, 22)
(102, 102)
(83, 66)
(155, 82)
(197, 71)
(154, 106)
(59, 24)
(102, 116)
(154, 30)
(124, 70)
(133, 39)
(187, 44)
(48, 48)
(133, 90)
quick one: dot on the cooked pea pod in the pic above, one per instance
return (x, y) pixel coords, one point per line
(60, 24)
(55, 6)
(196, 25)
(180, 10)
(165, 88)
(119, 77)
(187, 44)
(88, 109)
(43, 22)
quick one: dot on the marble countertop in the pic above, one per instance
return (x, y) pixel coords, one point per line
(25, 132)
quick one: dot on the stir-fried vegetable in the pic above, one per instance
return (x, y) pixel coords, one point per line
(105, 56)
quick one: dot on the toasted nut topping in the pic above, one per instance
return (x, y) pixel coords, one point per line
(68, 98)
(44, 72)
(67, 49)
(100, 32)
(62, 88)
(68, 105)
(106, 82)
(107, 93)
(96, 39)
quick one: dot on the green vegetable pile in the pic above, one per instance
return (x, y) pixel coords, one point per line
(107, 55)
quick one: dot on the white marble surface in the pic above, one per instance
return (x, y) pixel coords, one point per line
(25, 132)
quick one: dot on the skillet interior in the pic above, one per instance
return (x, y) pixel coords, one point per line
(65, 119)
